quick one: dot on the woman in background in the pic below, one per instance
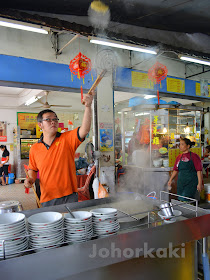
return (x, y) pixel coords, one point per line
(188, 166)
(4, 164)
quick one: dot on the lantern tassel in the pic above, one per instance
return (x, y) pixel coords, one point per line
(81, 94)
(72, 77)
(91, 76)
(83, 81)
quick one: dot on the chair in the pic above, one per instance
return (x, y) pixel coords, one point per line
(85, 192)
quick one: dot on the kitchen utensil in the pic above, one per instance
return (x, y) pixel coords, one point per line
(10, 206)
(167, 209)
(72, 215)
(32, 186)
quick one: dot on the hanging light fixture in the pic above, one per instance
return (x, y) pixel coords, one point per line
(23, 26)
(195, 60)
(120, 45)
(165, 130)
(187, 129)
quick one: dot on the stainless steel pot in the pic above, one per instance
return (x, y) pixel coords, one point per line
(10, 206)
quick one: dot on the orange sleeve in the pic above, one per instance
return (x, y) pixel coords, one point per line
(32, 162)
(73, 138)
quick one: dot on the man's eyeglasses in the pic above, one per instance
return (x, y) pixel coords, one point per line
(51, 120)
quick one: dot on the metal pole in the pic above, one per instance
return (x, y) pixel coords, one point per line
(123, 136)
(150, 144)
(95, 130)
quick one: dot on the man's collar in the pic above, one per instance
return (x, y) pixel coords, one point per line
(58, 134)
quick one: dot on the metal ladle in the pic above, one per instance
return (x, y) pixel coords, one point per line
(71, 214)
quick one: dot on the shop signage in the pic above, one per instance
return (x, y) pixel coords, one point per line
(27, 121)
(156, 140)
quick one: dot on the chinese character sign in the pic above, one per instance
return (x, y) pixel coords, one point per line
(156, 140)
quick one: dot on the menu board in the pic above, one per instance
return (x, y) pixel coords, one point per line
(175, 85)
(141, 80)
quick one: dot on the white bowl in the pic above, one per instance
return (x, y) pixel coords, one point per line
(80, 216)
(9, 219)
(45, 218)
(177, 213)
(104, 211)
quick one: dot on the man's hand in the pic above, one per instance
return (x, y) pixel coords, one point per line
(1, 165)
(88, 98)
(28, 182)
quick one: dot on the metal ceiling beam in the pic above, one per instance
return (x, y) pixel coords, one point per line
(190, 76)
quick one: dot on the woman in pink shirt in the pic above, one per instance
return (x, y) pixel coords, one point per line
(189, 168)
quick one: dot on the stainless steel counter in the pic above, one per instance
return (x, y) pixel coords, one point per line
(75, 261)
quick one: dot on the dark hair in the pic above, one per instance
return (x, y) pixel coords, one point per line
(208, 148)
(40, 115)
(188, 142)
(3, 147)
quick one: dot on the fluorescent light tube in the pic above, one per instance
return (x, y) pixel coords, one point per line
(32, 100)
(121, 45)
(195, 60)
(23, 27)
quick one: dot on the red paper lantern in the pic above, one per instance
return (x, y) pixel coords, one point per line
(80, 65)
(156, 74)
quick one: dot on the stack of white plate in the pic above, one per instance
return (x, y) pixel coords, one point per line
(78, 229)
(45, 230)
(13, 231)
(105, 222)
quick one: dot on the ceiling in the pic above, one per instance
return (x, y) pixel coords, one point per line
(173, 15)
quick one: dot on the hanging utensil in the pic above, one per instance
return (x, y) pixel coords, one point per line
(71, 214)
(32, 186)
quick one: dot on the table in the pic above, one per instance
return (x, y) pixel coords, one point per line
(81, 180)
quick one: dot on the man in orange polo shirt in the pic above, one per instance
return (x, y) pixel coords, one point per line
(53, 157)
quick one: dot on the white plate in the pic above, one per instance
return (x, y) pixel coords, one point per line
(10, 219)
(12, 235)
(13, 226)
(46, 243)
(44, 218)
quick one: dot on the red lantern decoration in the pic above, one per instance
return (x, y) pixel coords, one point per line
(156, 74)
(80, 65)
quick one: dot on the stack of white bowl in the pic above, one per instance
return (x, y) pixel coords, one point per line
(45, 230)
(78, 229)
(105, 222)
(166, 162)
(13, 231)
(157, 162)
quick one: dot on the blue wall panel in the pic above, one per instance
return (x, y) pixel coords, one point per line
(31, 71)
